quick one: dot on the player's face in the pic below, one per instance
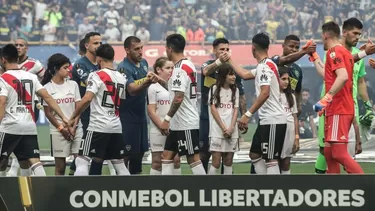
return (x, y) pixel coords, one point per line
(63, 72)
(135, 52)
(324, 39)
(290, 46)
(305, 96)
(21, 47)
(93, 44)
(168, 51)
(284, 81)
(231, 78)
(352, 36)
(220, 49)
(166, 70)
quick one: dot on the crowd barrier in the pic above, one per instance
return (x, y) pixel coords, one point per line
(206, 193)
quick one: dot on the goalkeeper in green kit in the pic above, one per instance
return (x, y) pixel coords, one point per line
(352, 31)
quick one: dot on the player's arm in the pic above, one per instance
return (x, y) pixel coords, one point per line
(39, 70)
(312, 125)
(296, 134)
(319, 65)
(51, 118)
(243, 73)
(235, 114)
(176, 103)
(366, 49)
(80, 74)
(51, 103)
(208, 69)
(341, 78)
(3, 101)
(82, 106)
(358, 147)
(134, 87)
(242, 96)
(151, 107)
(284, 60)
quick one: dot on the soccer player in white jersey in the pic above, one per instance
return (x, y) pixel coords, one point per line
(269, 136)
(34, 66)
(103, 139)
(158, 105)
(17, 129)
(181, 123)
(66, 94)
(223, 99)
(288, 100)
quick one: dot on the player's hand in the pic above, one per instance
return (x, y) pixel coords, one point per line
(68, 122)
(295, 146)
(164, 128)
(150, 77)
(309, 47)
(366, 119)
(358, 147)
(371, 62)
(66, 134)
(322, 104)
(244, 122)
(369, 47)
(224, 57)
(73, 130)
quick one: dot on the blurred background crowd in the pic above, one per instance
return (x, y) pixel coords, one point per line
(197, 20)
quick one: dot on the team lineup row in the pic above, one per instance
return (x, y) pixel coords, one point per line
(114, 126)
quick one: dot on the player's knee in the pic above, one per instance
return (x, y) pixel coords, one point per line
(177, 162)
(228, 162)
(205, 155)
(285, 164)
(168, 155)
(156, 162)
(321, 150)
(31, 162)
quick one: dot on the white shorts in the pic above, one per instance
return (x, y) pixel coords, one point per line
(157, 142)
(62, 148)
(290, 136)
(223, 145)
(351, 142)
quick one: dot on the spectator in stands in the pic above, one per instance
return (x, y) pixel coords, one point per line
(4, 30)
(307, 114)
(111, 34)
(71, 30)
(127, 28)
(53, 15)
(112, 15)
(95, 6)
(85, 28)
(195, 33)
(23, 30)
(49, 32)
(40, 8)
(143, 34)
(29, 17)
(36, 32)
(157, 28)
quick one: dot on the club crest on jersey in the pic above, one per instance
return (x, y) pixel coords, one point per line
(128, 147)
(332, 55)
(89, 83)
(80, 71)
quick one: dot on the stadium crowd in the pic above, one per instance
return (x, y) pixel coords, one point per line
(196, 20)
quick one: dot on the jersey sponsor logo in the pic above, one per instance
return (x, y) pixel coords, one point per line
(337, 61)
(65, 100)
(332, 55)
(140, 81)
(176, 83)
(226, 105)
(293, 83)
(263, 78)
(164, 102)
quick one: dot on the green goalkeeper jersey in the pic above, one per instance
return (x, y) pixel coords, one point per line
(359, 71)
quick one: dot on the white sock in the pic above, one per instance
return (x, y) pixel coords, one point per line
(82, 167)
(111, 168)
(228, 170)
(154, 172)
(197, 168)
(25, 172)
(3, 173)
(213, 170)
(177, 171)
(38, 169)
(119, 167)
(285, 172)
(273, 168)
(260, 166)
(167, 167)
(13, 171)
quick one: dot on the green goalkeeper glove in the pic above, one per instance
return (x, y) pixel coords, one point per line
(366, 119)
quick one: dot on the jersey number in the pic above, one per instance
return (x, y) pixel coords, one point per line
(193, 90)
(114, 93)
(24, 91)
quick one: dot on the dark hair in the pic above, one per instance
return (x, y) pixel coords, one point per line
(82, 47)
(219, 41)
(291, 37)
(261, 41)
(89, 35)
(306, 90)
(288, 91)
(160, 62)
(221, 76)
(128, 41)
(332, 28)
(10, 53)
(106, 52)
(176, 42)
(352, 23)
(54, 63)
